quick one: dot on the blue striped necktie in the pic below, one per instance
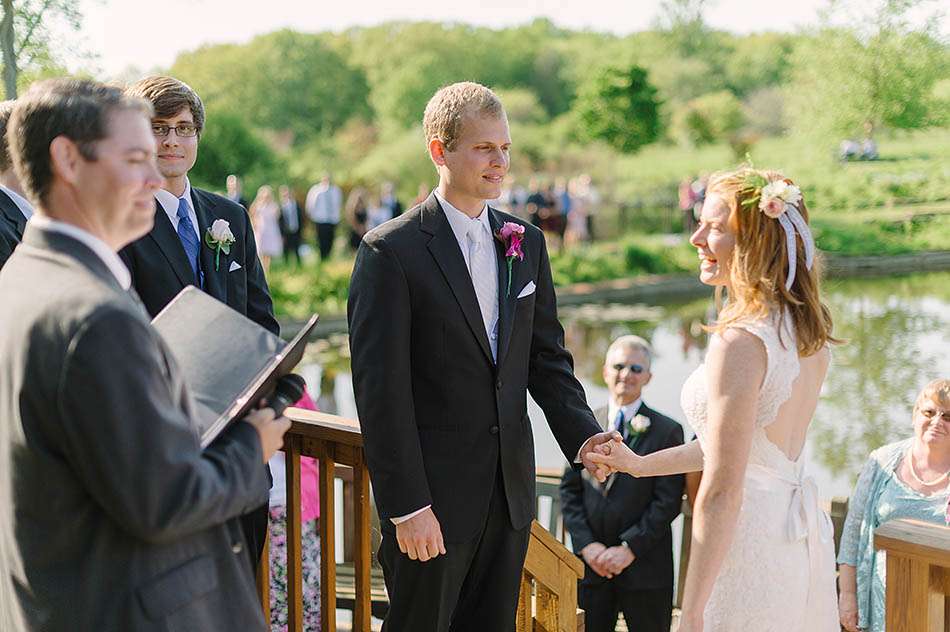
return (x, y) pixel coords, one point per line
(189, 237)
(619, 425)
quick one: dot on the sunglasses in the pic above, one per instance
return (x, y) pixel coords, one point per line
(634, 368)
(931, 413)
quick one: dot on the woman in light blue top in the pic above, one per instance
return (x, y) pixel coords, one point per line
(907, 479)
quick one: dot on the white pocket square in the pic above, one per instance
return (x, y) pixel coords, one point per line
(234, 266)
(528, 290)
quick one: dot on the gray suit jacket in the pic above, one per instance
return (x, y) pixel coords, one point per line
(123, 522)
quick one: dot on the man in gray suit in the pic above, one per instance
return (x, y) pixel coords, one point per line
(123, 522)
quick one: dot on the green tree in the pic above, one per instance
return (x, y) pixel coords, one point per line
(882, 75)
(710, 118)
(620, 106)
(282, 81)
(228, 146)
(25, 37)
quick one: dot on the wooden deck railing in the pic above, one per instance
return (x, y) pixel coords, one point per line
(331, 440)
(918, 575)
(548, 598)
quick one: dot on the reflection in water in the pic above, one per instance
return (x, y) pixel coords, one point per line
(898, 333)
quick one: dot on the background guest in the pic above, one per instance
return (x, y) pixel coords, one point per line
(265, 218)
(235, 190)
(906, 479)
(291, 224)
(324, 202)
(388, 199)
(357, 213)
(621, 528)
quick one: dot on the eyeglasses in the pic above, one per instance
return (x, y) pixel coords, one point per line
(931, 413)
(185, 130)
(634, 368)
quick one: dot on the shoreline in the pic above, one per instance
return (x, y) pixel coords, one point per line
(655, 287)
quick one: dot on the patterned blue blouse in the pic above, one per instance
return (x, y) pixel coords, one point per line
(879, 496)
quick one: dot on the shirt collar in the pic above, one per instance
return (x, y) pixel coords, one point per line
(629, 411)
(459, 221)
(169, 202)
(22, 203)
(99, 247)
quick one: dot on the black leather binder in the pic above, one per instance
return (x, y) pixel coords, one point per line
(230, 362)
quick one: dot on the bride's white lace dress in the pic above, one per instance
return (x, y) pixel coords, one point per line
(779, 574)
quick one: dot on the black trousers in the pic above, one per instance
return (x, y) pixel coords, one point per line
(472, 588)
(254, 527)
(648, 610)
(292, 247)
(325, 234)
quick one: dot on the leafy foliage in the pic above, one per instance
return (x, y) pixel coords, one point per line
(620, 107)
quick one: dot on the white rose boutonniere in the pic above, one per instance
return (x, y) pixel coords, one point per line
(639, 425)
(219, 238)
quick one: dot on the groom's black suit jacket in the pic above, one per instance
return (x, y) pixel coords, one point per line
(437, 413)
(637, 511)
(160, 268)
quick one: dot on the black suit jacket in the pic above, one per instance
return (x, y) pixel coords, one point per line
(637, 511)
(282, 222)
(123, 521)
(437, 413)
(12, 225)
(160, 268)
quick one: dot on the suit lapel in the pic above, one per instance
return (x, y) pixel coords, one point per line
(215, 279)
(506, 298)
(168, 242)
(444, 248)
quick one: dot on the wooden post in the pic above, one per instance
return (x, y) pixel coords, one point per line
(362, 556)
(918, 561)
(294, 543)
(327, 541)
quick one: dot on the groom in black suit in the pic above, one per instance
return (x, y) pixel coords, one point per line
(621, 528)
(176, 254)
(447, 337)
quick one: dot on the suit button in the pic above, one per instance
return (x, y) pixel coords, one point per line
(498, 385)
(493, 430)
(236, 548)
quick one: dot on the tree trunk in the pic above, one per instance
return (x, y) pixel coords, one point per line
(8, 46)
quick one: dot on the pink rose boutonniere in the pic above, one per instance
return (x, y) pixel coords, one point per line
(511, 235)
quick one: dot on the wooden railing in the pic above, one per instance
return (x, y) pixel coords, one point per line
(331, 440)
(918, 575)
(548, 598)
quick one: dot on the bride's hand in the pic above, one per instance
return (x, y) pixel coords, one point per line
(618, 457)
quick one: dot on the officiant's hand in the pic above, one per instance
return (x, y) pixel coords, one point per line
(617, 456)
(270, 430)
(420, 537)
(616, 558)
(591, 554)
(599, 471)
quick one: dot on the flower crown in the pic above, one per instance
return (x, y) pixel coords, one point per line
(779, 199)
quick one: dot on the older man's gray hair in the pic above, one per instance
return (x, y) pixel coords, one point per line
(631, 343)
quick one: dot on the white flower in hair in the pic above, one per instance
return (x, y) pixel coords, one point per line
(776, 195)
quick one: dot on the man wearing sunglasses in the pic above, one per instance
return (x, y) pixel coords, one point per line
(621, 528)
(179, 250)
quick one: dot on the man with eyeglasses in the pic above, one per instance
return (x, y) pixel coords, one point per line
(621, 528)
(181, 249)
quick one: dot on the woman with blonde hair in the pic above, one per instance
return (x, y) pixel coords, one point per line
(762, 556)
(265, 218)
(906, 479)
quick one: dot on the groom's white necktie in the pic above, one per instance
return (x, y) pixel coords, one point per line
(483, 267)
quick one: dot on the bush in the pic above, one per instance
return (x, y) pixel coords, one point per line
(707, 119)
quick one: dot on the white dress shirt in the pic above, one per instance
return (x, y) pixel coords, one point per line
(22, 203)
(324, 203)
(629, 412)
(99, 247)
(169, 204)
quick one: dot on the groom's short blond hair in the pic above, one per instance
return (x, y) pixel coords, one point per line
(448, 107)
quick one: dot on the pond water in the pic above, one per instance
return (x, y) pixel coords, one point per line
(898, 338)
